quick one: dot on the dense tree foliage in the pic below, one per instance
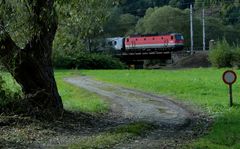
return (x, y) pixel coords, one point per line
(182, 4)
(79, 24)
(225, 55)
(222, 19)
(125, 17)
(138, 7)
(168, 20)
(120, 24)
(81, 31)
(231, 14)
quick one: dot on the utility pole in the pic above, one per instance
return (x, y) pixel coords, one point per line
(204, 34)
(191, 27)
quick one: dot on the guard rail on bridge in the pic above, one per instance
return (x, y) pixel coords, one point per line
(162, 54)
(142, 54)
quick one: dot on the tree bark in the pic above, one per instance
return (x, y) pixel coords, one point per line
(32, 66)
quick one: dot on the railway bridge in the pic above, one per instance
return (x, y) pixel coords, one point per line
(137, 57)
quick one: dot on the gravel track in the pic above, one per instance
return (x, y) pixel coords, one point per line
(136, 105)
(177, 125)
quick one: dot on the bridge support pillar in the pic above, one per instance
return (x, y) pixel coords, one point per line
(135, 64)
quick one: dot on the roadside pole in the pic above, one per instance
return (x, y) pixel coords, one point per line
(230, 95)
(230, 77)
(191, 27)
(204, 34)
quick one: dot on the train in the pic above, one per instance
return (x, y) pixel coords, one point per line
(164, 42)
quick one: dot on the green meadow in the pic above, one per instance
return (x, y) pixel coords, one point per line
(77, 99)
(200, 87)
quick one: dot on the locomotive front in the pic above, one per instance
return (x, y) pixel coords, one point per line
(160, 42)
(177, 42)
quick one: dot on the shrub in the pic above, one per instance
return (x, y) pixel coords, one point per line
(224, 55)
(86, 60)
(236, 57)
(99, 61)
(9, 90)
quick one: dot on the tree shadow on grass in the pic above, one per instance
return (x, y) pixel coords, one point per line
(236, 105)
(31, 131)
(67, 120)
(11, 144)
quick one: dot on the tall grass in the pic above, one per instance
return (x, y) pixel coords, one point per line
(77, 99)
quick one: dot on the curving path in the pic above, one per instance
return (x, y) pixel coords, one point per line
(177, 125)
(136, 105)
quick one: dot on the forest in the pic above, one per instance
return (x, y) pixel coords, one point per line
(128, 17)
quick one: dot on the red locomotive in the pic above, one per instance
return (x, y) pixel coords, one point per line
(171, 42)
(168, 42)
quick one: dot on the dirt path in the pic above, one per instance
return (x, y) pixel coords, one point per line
(176, 123)
(136, 105)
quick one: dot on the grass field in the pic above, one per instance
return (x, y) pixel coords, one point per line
(202, 87)
(80, 100)
(77, 99)
(74, 98)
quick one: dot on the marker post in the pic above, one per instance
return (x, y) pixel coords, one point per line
(230, 77)
(230, 94)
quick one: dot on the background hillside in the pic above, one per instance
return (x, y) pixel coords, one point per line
(150, 16)
(88, 26)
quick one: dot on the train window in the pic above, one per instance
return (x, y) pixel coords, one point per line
(162, 38)
(144, 38)
(171, 37)
(153, 38)
(115, 43)
(127, 40)
(179, 37)
(136, 39)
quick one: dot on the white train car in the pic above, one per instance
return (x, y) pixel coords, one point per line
(117, 43)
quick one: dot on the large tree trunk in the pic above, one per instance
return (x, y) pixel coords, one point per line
(36, 76)
(32, 66)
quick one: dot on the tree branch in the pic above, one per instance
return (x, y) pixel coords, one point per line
(8, 48)
(44, 21)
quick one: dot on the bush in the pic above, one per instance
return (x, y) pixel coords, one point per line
(236, 57)
(9, 90)
(225, 55)
(85, 60)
